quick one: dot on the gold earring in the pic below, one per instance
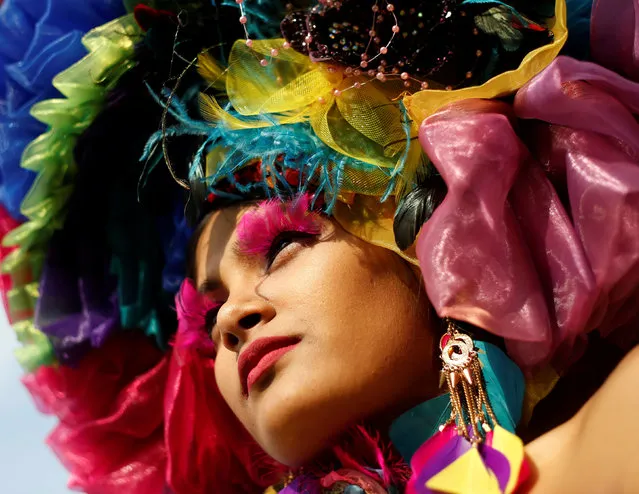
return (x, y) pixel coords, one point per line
(462, 374)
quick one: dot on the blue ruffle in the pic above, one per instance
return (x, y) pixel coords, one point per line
(38, 40)
(174, 235)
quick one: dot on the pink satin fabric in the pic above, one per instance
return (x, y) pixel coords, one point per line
(136, 421)
(110, 434)
(7, 223)
(541, 246)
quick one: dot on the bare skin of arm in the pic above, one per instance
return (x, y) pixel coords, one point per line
(597, 450)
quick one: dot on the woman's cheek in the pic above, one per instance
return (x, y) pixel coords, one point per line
(227, 378)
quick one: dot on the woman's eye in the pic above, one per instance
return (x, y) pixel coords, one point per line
(282, 241)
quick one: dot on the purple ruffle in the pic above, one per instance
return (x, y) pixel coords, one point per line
(78, 307)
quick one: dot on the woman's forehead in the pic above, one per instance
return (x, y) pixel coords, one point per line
(218, 236)
(217, 233)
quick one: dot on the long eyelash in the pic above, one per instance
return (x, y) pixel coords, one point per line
(258, 229)
(277, 245)
(193, 309)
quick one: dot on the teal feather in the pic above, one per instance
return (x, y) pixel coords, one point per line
(505, 386)
(294, 146)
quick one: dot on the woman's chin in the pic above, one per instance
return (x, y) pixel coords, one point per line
(294, 425)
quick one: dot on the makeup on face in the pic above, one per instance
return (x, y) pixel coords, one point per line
(259, 229)
(311, 363)
(260, 356)
(263, 232)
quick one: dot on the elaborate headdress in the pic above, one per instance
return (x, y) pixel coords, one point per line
(519, 211)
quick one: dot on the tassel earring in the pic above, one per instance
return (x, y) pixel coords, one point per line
(471, 453)
(461, 372)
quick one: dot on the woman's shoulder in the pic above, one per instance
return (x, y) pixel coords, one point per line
(596, 450)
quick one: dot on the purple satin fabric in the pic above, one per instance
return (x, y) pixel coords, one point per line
(593, 145)
(78, 307)
(472, 253)
(539, 242)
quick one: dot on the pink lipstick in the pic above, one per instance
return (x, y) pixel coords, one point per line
(260, 356)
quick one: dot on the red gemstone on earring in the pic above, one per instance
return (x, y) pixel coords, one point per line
(444, 341)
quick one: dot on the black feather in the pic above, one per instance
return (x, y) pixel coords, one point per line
(417, 208)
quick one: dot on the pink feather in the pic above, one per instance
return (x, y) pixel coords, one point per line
(257, 228)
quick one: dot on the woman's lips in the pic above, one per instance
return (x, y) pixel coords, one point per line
(260, 356)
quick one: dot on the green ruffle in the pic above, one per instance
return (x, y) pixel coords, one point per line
(85, 86)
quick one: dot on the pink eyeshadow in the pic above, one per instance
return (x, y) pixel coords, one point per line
(257, 228)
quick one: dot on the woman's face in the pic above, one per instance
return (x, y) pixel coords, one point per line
(316, 329)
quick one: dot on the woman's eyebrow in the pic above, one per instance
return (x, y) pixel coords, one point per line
(209, 285)
(239, 253)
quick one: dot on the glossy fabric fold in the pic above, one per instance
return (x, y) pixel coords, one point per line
(38, 39)
(110, 435)
(614, 32)
(84, 86)
(540, 263)
(594, 149)
(475, 263)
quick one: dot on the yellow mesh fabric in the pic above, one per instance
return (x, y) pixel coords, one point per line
(289, 83)
(364, 124)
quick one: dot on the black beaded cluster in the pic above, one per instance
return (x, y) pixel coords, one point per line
(436, 41)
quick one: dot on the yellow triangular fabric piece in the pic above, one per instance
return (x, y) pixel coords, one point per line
(513, 449)
(466, 475)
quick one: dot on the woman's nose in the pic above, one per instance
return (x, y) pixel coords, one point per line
(235, 320)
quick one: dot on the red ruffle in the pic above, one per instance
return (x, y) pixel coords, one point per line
(7, 223)
(110, 435)
(133, 421)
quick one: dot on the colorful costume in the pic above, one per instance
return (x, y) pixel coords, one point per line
(455, 133)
